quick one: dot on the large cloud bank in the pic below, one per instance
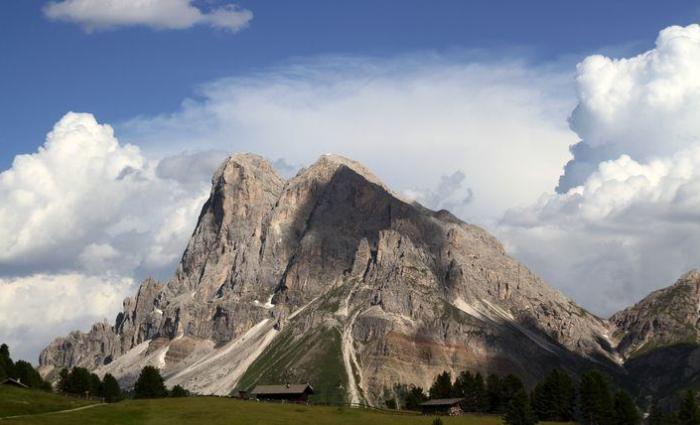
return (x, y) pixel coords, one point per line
(84, 216)
(496, 128)
(158, 14)
(627, 218)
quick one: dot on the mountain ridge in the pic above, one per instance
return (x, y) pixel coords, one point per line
(330, 277)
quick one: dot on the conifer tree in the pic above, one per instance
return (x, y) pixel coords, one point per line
(414, 397)
(150, 384)
(442, 386)
(111, 391)
(688, 413)
(6, 365)
(595, 400)
(519, 411)
(25, 373)
(554, 398)
(493, 394)
(625, 411)
(63, 380)
(473, 389)
(79, 382)
(178, 391)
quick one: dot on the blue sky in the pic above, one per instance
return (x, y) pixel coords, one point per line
(48, 68)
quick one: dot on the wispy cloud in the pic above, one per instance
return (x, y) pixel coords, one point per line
(158, 14)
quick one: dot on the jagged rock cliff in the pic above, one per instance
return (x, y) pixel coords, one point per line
(668, 316)
(659, 338)
(331, 278)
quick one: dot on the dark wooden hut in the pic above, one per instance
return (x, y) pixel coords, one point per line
(298, 393)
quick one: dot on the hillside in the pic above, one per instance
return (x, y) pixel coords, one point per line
(332, 278)
(215, 411)
(19, 401)
(660, 338)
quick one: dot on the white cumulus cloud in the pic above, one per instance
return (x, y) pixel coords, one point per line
(644, 106)
(628, 220)
(159, 14)
(85, 202)
(81, 220)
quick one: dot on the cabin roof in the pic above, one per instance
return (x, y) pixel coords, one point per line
(12, 381)
(282, 389)
(442, 402)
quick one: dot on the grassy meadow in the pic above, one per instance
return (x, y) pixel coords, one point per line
(199, 410)
(18, 401)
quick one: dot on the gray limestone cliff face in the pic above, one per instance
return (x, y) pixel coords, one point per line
(666, 316)
(332, 265)
(659, 338)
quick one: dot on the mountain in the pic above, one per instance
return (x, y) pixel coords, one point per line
(668, 316)
(659, 337)
(332, 278)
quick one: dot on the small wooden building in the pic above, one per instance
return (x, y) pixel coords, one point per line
(13, 383)
(298, 393)
(442, 407)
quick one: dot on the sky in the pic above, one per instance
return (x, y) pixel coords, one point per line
(569, 130)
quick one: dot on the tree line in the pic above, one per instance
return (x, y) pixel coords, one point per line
(150, 384)
(592, 400)
(79, 381)
(21, 371)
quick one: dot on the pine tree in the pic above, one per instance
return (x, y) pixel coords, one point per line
(79, 382)
(63, 381)
(95, 386)
(688, 413)
(493, 394)
(111, 391)
(150, 384)
(178, 391)
(554, 398)
(442, 386)
(519, 411)
(595, 400)
(479, 393)
(26, 373)
(414, 398)
(7, 367)
(473, 390)
(625, 412)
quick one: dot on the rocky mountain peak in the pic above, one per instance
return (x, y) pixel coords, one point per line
(332, 278)
(666, 316)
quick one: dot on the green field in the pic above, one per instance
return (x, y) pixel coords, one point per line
(204, 410)
(17, 401)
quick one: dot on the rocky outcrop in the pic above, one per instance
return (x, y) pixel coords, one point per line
(659, 339)
(668, 316)
(331, 278)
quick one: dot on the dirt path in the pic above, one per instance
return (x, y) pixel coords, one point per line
(54, 412)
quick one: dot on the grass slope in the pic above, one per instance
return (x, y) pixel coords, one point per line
(315, 358)
(220, 411)
(19, 401)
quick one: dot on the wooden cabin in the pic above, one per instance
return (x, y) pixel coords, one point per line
(297, 393)
(442, 407)
(13, 383)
